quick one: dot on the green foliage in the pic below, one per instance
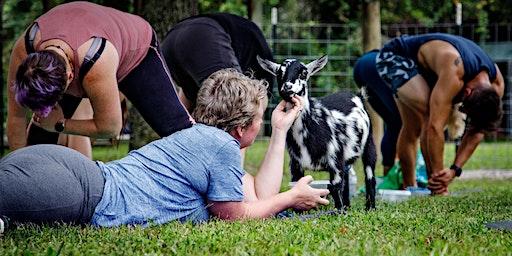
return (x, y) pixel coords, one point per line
(16, 16)
(231, 6)
(411, 12)
(483, 22)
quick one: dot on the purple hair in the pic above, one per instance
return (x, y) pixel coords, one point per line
(40, 81)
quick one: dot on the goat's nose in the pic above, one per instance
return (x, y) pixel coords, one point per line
(288, 86)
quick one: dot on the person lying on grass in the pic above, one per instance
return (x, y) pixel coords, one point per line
(188, 176)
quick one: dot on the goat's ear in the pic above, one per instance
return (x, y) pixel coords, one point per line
(316, 65)
(268, 65)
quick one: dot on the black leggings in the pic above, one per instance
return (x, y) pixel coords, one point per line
(150, 89)
(380, 97)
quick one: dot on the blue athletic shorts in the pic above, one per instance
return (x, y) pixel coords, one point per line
(395, 70)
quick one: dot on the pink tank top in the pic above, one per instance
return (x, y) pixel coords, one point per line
(77, 22)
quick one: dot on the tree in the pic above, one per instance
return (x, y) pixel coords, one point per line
(161, 14)
(1, 79)
(372, 40)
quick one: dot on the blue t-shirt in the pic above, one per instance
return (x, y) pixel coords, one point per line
(171, 179)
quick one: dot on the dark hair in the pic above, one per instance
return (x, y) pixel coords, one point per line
(483, 109)
(40, 81)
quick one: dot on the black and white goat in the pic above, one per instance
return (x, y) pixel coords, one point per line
(330, 132)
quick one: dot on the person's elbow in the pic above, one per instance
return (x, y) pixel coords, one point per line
(229, 211)
(109, 129)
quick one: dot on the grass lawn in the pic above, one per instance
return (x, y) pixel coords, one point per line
(440, 225)
(451, 225)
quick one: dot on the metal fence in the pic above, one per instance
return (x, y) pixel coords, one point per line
(342, 43)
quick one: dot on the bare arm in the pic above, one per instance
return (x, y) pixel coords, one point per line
(450, 71)
(100, 85)
(472, 138)
(16, 114)
(468, 145)
(499, 82)
(268, 180)
(439, 181)
(302, 196)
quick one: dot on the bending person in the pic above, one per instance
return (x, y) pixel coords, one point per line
(99, 52)
(173, 178)
(417, 80)
(200, 45)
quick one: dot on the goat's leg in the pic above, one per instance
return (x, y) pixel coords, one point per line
(369, 158)
(296, 169)
(336, 187)
(346, 188)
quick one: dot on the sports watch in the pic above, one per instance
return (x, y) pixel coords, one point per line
(458, 170)
(60, 125)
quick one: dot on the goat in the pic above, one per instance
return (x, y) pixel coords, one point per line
(330, 133)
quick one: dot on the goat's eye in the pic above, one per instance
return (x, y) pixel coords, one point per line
(303, 74)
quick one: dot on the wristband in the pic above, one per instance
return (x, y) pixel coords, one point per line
(458, 170)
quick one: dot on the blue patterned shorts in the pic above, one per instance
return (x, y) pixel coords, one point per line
(394, 69)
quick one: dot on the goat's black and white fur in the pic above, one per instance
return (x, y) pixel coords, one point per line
(330, 132)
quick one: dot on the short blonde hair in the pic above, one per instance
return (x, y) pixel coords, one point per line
(228, 99)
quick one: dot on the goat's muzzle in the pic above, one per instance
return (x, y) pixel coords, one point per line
(287, 95)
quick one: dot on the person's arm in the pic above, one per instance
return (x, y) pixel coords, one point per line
(16, 114)
(267, 181)
(100, 85)
(438, 183)
(449, 68)
(301, 196)
(499, 82)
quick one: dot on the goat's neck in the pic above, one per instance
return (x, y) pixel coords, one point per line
(306, 101)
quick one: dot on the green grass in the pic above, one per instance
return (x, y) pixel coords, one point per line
(439, 225)
(451, 225)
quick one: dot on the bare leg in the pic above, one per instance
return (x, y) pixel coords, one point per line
(81, 144)
(412, 102)
(423, 144)
(407, 144)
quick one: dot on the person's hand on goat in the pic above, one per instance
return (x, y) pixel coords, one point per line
(439, 181)
(283, 117)
(306, 197)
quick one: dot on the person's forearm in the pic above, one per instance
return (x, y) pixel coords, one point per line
(268, 181)
(269, 207)
(259, 209)
(468, 145)
(435, 148)
(423, 145)
(90, 129)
